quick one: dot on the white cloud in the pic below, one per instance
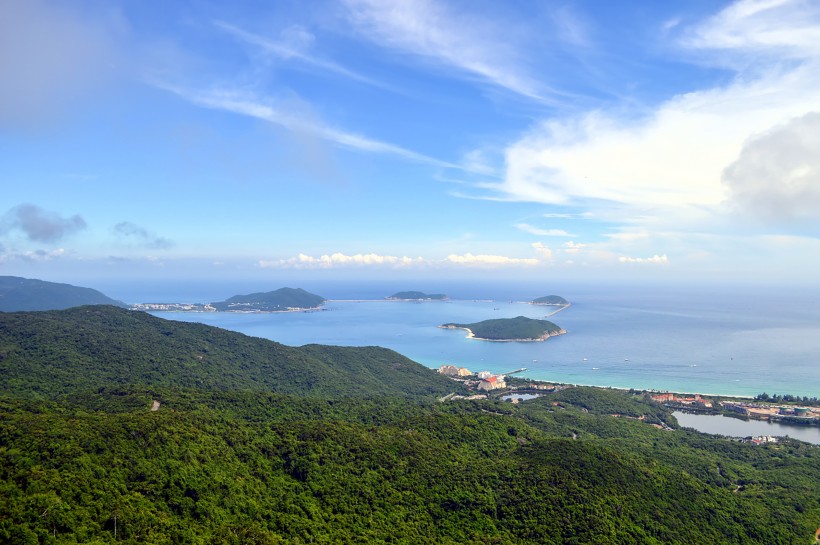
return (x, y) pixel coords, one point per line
(326, 261)
(542, 250)
(492, 260)
(572, 247)
(667, 164)
(338, 259)
(431, 30)
(654, 260)
(527, 228)
(777, 175)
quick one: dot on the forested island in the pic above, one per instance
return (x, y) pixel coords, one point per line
(416, 296)
(18, 294)
(117, 426)
(272, 301)
(520, 328)
(551, 300)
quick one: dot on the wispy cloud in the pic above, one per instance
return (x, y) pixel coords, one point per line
(293, 46)
(140, 236)
(39, 225)
(527, 228)
(242, 103)
(777, 29)
(462, 40)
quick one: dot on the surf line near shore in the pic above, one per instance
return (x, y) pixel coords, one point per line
(471, 335)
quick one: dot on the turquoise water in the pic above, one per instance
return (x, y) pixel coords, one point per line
(731, 342)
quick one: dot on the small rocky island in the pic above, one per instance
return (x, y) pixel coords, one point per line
(520, 328)
(416, 296)
(551, 300)
(281, 300)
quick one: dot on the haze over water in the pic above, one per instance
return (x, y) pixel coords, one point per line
(706, 340)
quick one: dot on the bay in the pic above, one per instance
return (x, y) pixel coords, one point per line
(709, 340)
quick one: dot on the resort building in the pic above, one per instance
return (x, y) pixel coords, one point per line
(484, 374)
(453, 371)
(492, 383)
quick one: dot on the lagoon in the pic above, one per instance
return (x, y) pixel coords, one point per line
(719, 424)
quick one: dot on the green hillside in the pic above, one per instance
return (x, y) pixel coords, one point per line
(277, 300)
(45, 354)
(505, 329)
(23, 294)
(119, 427)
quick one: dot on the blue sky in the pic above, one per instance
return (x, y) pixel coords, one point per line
(595, 140)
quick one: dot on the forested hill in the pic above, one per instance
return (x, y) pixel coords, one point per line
(46, 354)
(519, 328)
(20, 294)
(272, 301)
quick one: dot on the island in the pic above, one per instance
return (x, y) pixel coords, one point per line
(519, 328)
(281, 300)
(416, 296)
(551, 300)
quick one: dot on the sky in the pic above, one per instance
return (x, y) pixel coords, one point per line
(564, 139)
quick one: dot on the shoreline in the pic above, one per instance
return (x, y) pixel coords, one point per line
(471, 335)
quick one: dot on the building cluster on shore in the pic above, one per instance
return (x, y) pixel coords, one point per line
(765, 411)
(486, 380)
(675, 399)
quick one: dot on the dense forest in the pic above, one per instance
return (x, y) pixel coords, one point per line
(167, 459)
(504, 329)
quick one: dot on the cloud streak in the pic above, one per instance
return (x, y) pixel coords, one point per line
(430, 30)
(244, 104)
(293, 46)
(133, 233)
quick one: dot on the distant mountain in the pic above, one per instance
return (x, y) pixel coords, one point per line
(510, 329)
(417, 296)
(21, 294)
(48, 354)
(552, 300)
(272, 301)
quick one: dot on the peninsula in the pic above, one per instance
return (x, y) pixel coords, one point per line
(519, 328)
(416, 296)
(281, 300)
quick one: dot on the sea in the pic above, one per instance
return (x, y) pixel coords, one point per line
(709, 339)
